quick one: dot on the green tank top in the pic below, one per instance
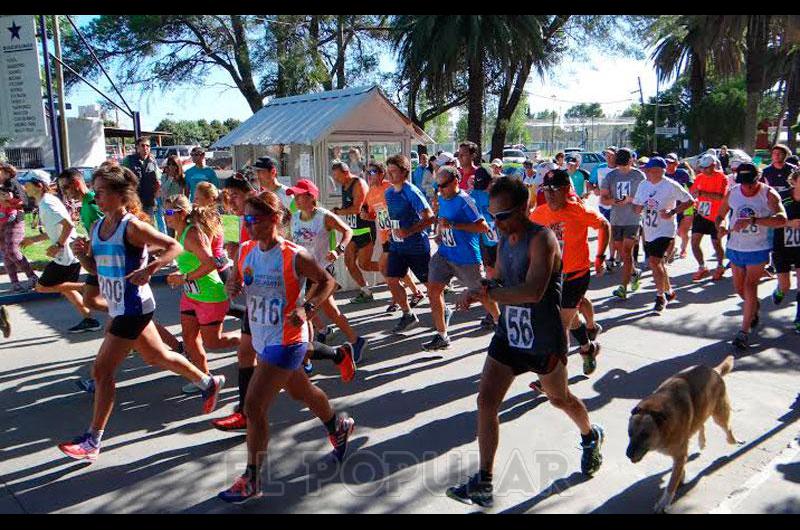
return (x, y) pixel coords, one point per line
(209, 288)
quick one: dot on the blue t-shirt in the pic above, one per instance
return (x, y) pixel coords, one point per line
(416, 176)
(459, 246)
(195, 175)
(681, 176)
(405, 209)
(481, 198)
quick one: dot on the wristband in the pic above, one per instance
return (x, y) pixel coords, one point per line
(339, 249)
(309, 308)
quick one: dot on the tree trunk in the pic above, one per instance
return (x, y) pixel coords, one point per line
(313, 46)
(697, 88)
(781, 87)
(247, 86)
(510, 97)
(340, 80)
(477, 87)
(793, 101)
(755, 72)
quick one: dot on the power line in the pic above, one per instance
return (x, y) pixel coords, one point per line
(579, 102)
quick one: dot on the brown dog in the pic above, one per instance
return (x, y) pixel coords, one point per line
(678, 408)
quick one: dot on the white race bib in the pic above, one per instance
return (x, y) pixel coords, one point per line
(448, 237)
(651, 218)
(791, 237)
(491, 235)
(384, 223)
(265, 312)
(704, 208)
(519, 327)
(623, 189)
(113, 290)
(190, 287)
(395, 225)
(352, 220)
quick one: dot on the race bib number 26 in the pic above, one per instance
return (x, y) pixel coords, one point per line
(519, 327)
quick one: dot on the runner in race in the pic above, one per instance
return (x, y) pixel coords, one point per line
(570, 221)
(753, 207)
(459, 230)
(118, 254)
(204, 302)
(310, 228)
(529, 338)
(660, 199)
(709, 188)
(786, 246)
(272, 272)
(378, 212)
(358, 253)
(685, 218)
(488, 242)
(410, 215)
(617, 191)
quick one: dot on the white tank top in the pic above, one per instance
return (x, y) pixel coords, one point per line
(312, 234)
(754, 237)
(116, 258)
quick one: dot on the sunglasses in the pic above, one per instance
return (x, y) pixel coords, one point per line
(552, 188)
(172, 211)
(253, 219)
(500, 216)
(196, 154)
(372, 172)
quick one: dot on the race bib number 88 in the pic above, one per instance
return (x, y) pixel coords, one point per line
(519, 327)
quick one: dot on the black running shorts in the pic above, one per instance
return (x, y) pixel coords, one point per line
(520, 361)
(129, 327)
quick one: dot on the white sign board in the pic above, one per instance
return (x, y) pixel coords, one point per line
(305, 165)
(667, 131)
(21, 109)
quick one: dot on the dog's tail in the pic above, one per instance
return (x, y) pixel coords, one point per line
(726, 365)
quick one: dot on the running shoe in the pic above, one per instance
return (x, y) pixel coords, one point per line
(5, 322)
(595, 331)
(393, 308)
(536, 386)
(611, 265)
(362, 298)
(488, 322)
(438, 343)
(777, 296)
(621, 292)
(661, 303)
(87, 385)
(671, 296)
(407, 321)
(322, 336)
(415, 299)
(87, 324)
(347, 366)
(636, 278)
(719, 272)
(81, 448)
(211, 394)
(590, 358)
(359, 349)
(742, 340)
(344, 429)
(308, 367)
(474, 491)
(243, 490)
(190, 389)
(32, 283)
(700, 274)
(235, 422)
(591, 459)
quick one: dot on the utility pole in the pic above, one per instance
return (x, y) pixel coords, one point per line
(655, 121)
(62, 105)
(553, 127)
(641, 94)
(54, 136)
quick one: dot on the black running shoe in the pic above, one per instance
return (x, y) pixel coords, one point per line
(87, 324)
(592, 459)
(595, 331)
(661, 303)
(415, 299)
(438, 343)
(5, 322)
(742, 340)
(473, 492)
(408, 320)
(344, 428)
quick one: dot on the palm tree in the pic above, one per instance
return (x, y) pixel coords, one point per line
(441, 48)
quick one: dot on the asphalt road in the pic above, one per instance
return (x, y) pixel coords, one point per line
(415, 415)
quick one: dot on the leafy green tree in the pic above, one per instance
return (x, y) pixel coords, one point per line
(585, 110)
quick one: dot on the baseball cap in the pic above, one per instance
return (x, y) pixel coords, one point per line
(656, 161)
(556, 177)
(40, 176)
(611, 149)
(746, 173)
(304, 186)
(707, 160)
(482, 179)
(571, 158)
(445, 158)
(265, 162)
(497, 162)
(671, 157)
(643, 160)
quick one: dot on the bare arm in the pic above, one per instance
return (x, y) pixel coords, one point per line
(335, 223)
(306, 265)
(478, 227)
(141, 234)
(198, 244)
(778, 217)
(427, 220)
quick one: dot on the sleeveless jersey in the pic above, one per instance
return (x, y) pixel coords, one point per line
(312, 234)
(354, 220)
(754, 237)
(115, 259)
(532, 328)
(273, 290)
(209, 288)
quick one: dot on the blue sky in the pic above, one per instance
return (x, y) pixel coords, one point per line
(599, 78)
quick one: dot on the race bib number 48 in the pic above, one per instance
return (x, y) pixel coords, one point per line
(519, 327)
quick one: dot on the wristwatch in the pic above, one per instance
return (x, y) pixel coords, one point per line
(339, 249)
(309, 308)
(601, 257)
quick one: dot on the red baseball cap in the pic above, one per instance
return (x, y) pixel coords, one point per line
(304, 186)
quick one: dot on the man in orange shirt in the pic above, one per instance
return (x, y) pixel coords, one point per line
(378, 211)
(570, 220)
(709, 189)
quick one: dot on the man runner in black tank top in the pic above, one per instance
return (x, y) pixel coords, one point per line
(530, 336)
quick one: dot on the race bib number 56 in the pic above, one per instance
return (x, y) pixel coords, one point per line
(519, 327)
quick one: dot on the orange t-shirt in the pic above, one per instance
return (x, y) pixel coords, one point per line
(716, 183)
(571, 226)
(376, 205)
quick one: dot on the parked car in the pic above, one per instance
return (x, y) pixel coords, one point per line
(513, 156)
(693, 160)
(162, 153)
(589, 160)
(572, 150)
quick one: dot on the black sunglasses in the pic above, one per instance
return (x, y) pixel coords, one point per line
(500, 216)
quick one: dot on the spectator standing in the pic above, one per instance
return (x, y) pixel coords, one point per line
(144, 166)
(200, 172)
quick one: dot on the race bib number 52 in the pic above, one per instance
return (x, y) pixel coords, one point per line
(519, 327)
